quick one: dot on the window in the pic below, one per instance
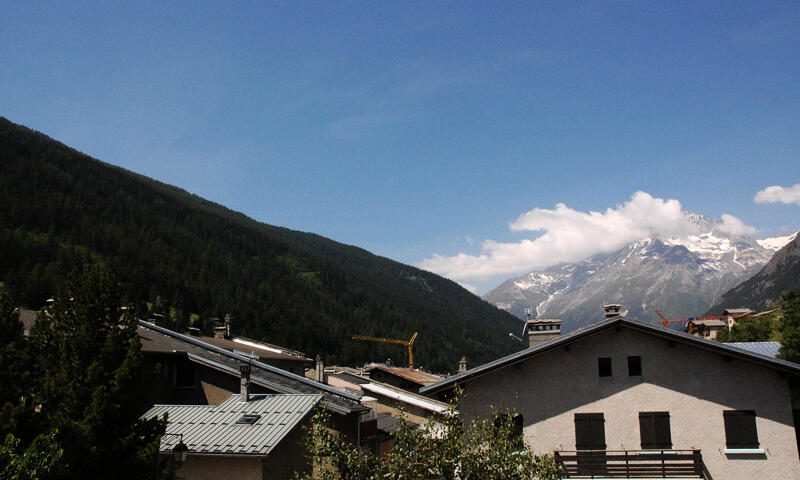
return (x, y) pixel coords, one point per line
(590, 431)
(184, 375)
(604, 366)
(635, 366)
(654, 430)
(248, 419)
(740, 429)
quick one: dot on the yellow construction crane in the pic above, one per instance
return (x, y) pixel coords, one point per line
(407, 343)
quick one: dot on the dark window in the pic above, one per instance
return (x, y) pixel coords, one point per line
(184, 375)
(635, 366)
(740, 429)
(654, 430)
(248, 419)
(590, 431)
(514, 427)
(604, 366)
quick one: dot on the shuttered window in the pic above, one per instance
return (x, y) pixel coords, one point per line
(590, 431)
(654, 430)
(740, 429)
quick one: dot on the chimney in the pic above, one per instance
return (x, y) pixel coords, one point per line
(227, 325)
(540, 330)
(244, 371)
(319, 370)
(611, 309)
(462, 365)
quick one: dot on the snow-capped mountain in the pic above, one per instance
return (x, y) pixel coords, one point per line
(681, 275)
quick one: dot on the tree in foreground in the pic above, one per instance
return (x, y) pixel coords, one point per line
(84, 382)
(481, 449)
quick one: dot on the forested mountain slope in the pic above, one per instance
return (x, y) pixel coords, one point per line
(60, 209)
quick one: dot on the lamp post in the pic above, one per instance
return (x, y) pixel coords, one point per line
(179, 452)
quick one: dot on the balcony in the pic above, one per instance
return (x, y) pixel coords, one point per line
(641, 464)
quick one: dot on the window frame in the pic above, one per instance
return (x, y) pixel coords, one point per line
(657, 426)
(641, 370)
(592, 426)
(741, 431)
(600, 367)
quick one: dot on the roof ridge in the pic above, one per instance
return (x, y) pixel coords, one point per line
(245, 359)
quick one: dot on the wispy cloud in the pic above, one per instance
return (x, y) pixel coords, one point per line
(570, 235)
(778, 194)
(404, 94)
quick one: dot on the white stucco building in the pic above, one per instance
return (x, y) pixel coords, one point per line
(622, 395)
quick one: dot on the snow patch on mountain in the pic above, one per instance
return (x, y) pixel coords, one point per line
(777, 242)
(686, 273)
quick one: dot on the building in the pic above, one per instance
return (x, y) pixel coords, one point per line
(257, 438)
(615, 398)
(706, 327)
(185, 370)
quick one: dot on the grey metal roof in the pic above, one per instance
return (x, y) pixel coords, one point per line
(262, 374)
(769, 349)
(212, 429)
(575, 335)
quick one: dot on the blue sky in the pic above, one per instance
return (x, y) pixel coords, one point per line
(414, 129)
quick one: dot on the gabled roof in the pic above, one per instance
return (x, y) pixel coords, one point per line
(162, 340)
(213, 429)
(619, 321)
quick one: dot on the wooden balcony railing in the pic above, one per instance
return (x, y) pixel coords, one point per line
(631, 463)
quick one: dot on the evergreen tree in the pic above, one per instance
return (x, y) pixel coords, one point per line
(790, 326)
(90, 387)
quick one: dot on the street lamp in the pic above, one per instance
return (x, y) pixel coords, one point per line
(179, 452)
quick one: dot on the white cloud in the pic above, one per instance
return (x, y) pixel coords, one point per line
(570, 236)
(776, 193)
(734, 226)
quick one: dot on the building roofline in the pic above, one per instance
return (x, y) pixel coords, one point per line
(245, 359)
(581, 333)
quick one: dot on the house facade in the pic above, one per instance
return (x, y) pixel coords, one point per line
(248, 437)
(624, 389)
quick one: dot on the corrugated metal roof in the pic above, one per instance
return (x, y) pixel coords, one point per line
(769, 349)
(213, 429)
(685, 338)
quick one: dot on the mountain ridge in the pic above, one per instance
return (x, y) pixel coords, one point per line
(63, 209)
(684, 275)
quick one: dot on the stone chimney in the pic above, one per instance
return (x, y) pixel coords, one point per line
(244, 374)
(319, 370)
(462, 365)
(540, 330)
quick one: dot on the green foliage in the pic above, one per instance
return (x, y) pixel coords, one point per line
(757, 329)
(79, 402)
(482, 449)
(790, 326)
(41, 459)
(62, 210)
